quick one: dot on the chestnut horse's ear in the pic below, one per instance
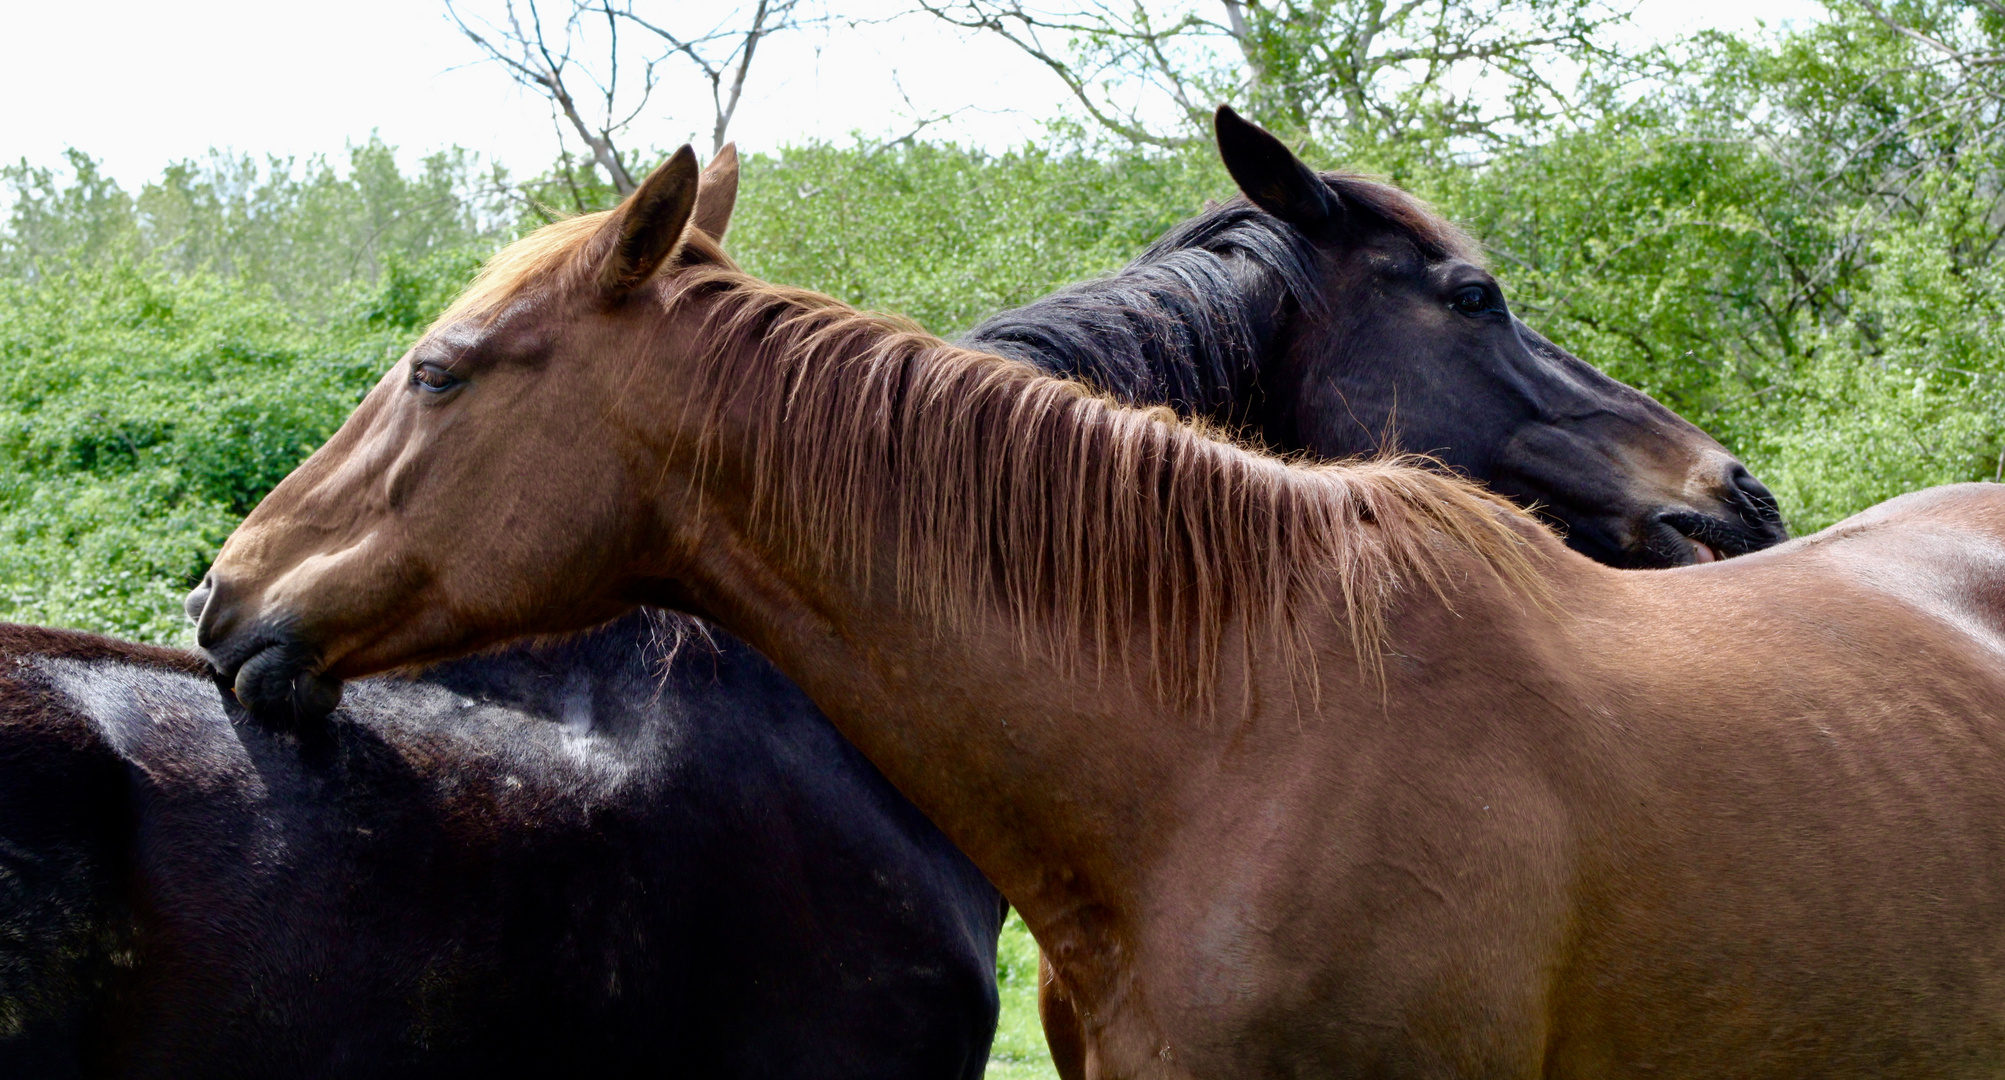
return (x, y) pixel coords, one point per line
(717, 192)
(1275, 179)
(647, 227)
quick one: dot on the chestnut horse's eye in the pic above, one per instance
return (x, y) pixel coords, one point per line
(1473, 300)
(433, 379)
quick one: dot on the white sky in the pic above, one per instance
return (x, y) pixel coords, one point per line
(141, 83)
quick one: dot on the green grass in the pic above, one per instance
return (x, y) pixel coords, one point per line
(1019, 1052)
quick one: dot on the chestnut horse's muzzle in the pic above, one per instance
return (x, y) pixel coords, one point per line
(274, 674)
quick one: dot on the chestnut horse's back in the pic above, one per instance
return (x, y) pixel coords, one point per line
(1791, 806)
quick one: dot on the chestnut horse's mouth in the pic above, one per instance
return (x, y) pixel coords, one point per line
(274, 674)
(282, 685)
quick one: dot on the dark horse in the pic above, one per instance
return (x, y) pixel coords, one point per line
(685, 866)
(1337, 315)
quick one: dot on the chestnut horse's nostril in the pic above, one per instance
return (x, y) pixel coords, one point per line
(210, 606)
(198, 598)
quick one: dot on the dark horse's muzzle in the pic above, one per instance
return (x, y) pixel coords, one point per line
(1741, 516)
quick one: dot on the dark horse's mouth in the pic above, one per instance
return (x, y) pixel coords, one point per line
(1756, 521)
(1676, 536)
(1687, 536)
(1747, 520)
(1673, 536)
(1624, 530)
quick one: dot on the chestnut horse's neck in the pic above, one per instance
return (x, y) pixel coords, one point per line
(1032, 607)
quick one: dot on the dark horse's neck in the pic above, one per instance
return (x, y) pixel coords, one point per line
(1187, 324)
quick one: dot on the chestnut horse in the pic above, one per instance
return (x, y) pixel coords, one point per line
(1227, 317)
(1290, 768)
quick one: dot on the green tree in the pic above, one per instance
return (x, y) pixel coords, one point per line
(1437, 76)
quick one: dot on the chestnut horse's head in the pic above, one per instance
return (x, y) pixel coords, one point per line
(1408, 345)
(391, 542)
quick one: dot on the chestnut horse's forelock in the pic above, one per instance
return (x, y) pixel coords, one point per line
(552, 255)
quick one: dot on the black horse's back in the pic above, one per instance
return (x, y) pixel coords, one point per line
(826, 902)
(563, 859)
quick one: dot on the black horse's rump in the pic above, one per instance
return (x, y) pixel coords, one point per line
(571, 858)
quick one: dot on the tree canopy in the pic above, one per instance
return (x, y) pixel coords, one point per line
(1792, 238)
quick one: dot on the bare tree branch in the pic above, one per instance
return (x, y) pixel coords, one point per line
(586, 53)
(1361, 70)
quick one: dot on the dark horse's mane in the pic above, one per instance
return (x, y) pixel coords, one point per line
(1180, 324)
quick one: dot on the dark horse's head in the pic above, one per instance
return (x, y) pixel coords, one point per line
(1340, 316)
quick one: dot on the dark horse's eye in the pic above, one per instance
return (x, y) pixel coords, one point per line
(1472, 300)
(433, 378)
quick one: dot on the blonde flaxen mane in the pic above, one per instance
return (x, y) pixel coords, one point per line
(1087, 523)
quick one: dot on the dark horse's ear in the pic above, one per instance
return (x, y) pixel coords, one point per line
(717, 192)
(646, 228)
(1275, 179)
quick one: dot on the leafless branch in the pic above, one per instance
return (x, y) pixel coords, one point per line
(586, 57)
(1363, 69)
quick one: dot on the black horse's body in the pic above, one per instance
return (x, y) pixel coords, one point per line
(635, 874)
(565, 860)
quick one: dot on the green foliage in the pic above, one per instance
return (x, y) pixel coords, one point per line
(947, 236)
(303, 232)
(1417, 78)
(1019, 1052)
(1796, 247)
(166, 359)
(938, 233)
(140, 418)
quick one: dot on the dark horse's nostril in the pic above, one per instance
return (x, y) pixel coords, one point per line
(1756, 496)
